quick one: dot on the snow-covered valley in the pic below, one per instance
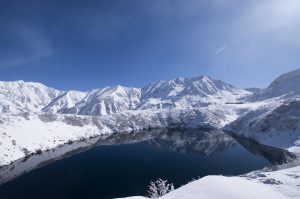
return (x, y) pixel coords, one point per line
(35, 118)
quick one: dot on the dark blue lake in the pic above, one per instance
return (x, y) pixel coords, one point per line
(123, 165)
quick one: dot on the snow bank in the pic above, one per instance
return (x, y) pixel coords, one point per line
(255, 185)
(220, 187)
(285, 181)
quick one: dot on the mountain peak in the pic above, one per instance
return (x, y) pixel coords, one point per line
(201, 85)
(202, 77)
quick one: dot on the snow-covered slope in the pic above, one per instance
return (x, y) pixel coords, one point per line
(106, 101)
(220, 187)
(276, 121)
(202, 85)
(20, 96)
(287, 84)
(25, 96)
(64, 101)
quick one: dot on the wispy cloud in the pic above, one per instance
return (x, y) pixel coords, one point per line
(220, 50)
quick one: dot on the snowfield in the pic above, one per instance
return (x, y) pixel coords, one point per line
(220, 187)
(35, 118)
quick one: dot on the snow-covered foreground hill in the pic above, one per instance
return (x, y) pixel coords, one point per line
(279, 184)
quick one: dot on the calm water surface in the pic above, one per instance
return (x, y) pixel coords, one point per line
(123, 165)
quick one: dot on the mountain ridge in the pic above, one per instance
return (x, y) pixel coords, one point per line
(163, 94)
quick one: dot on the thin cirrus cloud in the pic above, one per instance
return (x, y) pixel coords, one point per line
(221, 49)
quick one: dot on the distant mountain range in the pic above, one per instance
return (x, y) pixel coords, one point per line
(36, 117)
(178, 93)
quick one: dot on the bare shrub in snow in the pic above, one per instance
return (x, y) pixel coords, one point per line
(75, 121)
(47, 117)
(25, 115)
(38, 151)
(26, 151)
(159, 188)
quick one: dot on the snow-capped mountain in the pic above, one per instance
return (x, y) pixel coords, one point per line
(64, 101)
(25, 96)
(189, 93)
(106, 101)
(202, 85)
(178, 93)
(20, 96)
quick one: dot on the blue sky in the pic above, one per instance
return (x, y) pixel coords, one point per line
(87, 44)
